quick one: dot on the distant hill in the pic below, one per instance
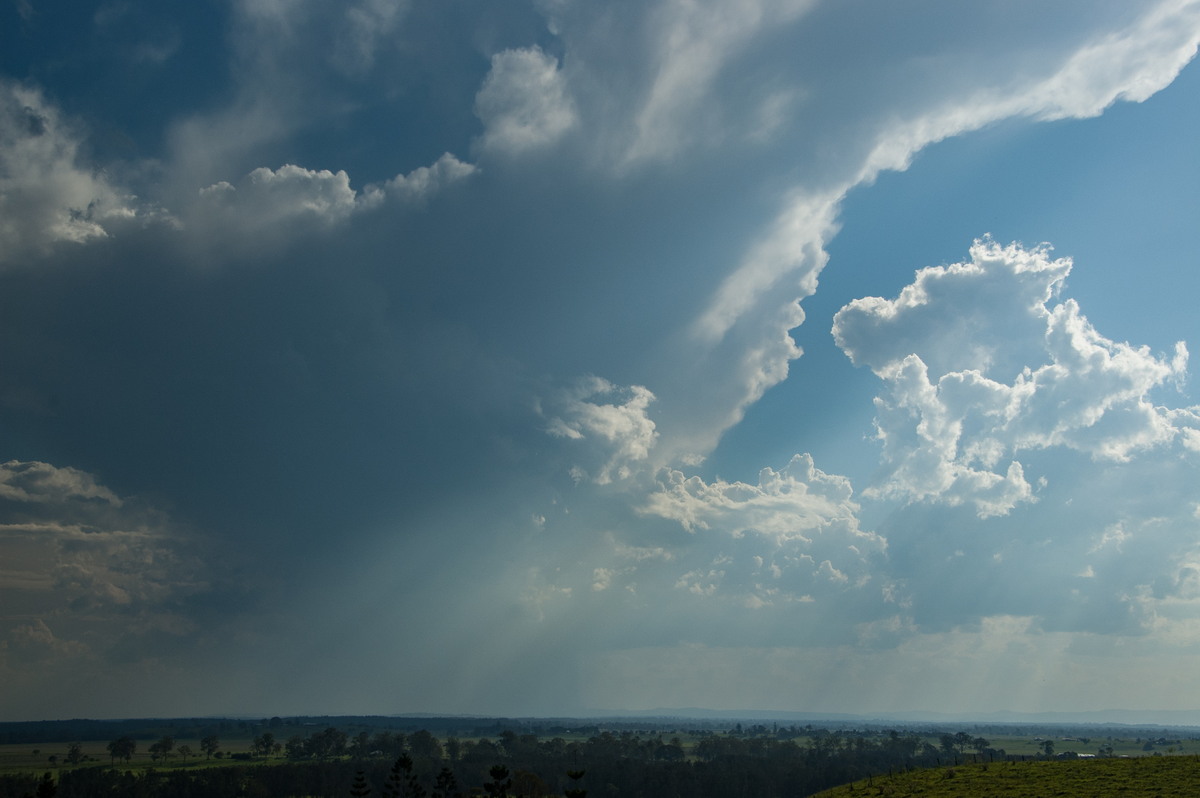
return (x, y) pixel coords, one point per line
(1106, 717)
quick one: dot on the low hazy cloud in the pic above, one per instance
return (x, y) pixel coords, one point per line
(86, 573)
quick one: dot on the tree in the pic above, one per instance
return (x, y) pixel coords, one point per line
(361, 747)
(184, 751)
(46, 787)
(575, 790)
(529, 785)
(210, 745)
(390, 744)
(424, 745)
(263, 744)
(327, 743)
(74, 753)
(402, 781)
(360, 787)
(162, 748)
(296, 747)
(122, 748)
(446, 785)
(499, 785)
(1048, 747)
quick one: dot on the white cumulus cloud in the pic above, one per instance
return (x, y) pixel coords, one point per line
(978, 367)
(267, 197)
(272, 203)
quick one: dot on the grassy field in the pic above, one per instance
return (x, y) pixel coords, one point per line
(1140, 777)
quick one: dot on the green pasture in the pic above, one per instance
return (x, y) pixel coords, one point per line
(1136, 777)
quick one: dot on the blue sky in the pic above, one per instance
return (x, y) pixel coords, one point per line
(557, 357)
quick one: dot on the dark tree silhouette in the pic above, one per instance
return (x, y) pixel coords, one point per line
(264, 744)
(74, 753)
(162, 748)
(402, 781)
(46, 787)
(360, 748)
(446, 785)
(424, 745)
(360, 787)
(499, 785)
(122, 748)
(210, 745)
(575, 790)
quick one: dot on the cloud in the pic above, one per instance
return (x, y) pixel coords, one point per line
(1130, 63)
(620, 431)
(978, 369)
(42, 483)
(691, 45)
(48, 197)
(266, 198)
(275, 204)
(294, 67)
(349, 36)
(95, 568)
(755, 306)
(792, 536)
(364, 26)
(524, 102)
(425, 181)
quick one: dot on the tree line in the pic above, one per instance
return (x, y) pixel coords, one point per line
(333, 762)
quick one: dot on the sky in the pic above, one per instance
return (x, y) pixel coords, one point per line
(555, 357)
